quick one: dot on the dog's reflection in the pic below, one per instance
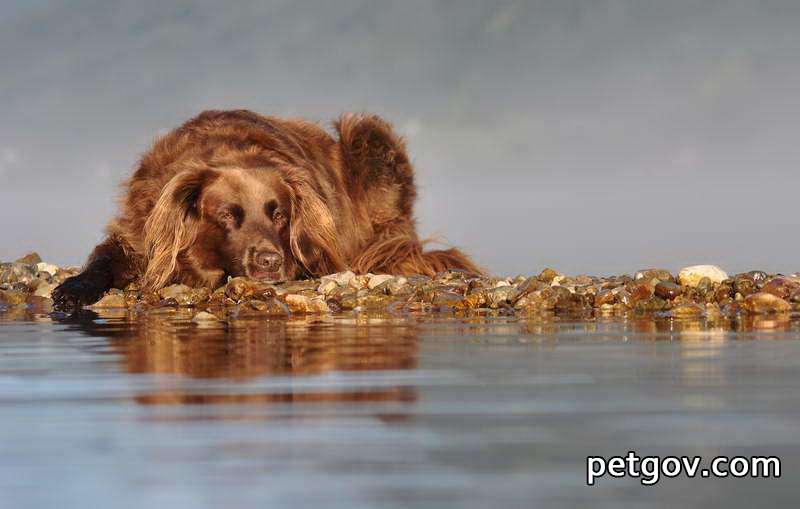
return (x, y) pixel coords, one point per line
(245, 350)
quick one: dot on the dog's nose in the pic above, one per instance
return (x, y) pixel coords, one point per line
(268, 260)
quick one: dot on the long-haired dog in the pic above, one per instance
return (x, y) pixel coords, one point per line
(234, 193)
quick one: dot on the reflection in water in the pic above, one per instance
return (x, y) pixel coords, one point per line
(166, 342)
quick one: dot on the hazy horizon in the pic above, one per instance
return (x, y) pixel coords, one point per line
(593, 137)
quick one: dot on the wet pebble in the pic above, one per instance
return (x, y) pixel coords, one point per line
(668, 290)
(763, 303)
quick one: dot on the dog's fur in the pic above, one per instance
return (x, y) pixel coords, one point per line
(235, 193)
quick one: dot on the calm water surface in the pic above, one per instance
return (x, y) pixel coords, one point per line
(391, 411)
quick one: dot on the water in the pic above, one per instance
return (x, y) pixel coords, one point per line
(389, 411)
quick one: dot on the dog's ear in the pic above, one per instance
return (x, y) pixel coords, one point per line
(312, 227)
(172, 225)
(375, 156)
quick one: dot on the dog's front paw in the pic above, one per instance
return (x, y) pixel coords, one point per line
(78, 291)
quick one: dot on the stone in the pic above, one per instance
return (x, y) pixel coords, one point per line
(111, 300)
(302, 304)
(31, 258)
(45, 290)
(173, 291)
(744, 284)
(668, 290)
(764, 303)
(605, 297)
(692, 276)
(327, 286)
(49, 268)
(501, 296)
(378, 280)
(341, 278)
(660, 274)
(547, 275)
(449, 299)
(782, 287)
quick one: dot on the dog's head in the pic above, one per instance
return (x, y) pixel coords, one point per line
(262, 223)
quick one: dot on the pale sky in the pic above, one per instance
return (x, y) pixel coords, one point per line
(595, 137)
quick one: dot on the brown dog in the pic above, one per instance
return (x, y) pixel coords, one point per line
(233, 193)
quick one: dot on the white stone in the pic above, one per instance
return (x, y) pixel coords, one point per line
(47, 267)
(378, 280)
(340, 278)
(326, 286)
(691, 276)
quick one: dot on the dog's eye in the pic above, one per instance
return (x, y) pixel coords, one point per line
(274, 212)
(230, 217)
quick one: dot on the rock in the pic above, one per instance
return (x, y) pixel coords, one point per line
(174, 292)
(448, 299)
(49, 268)
(692, 276)
(360, 281)
(660, 274)
(45, 290)
(17, 273)
(30, 259)
(398, 286)
(547, 275)
(327, 286)
(639, 291)
(341, 278)
(378, 280)
(759, 276)
(501, 296)
(651, 304)
(744, 284)
(668, 290)
(241, 288)
(111, 300)
(764, 303)
(303, 304)
(605, 297)
(782, 287)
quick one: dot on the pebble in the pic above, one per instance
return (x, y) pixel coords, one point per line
(302, 304)
(695, 292)
(668, 290)
(111, 300)
(692, 276)
(47, 267)
(29, 259)
(660, 274)
(764, 303)
(378, 280)
(45, 290)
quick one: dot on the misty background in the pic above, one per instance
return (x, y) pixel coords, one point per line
(595, 137)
